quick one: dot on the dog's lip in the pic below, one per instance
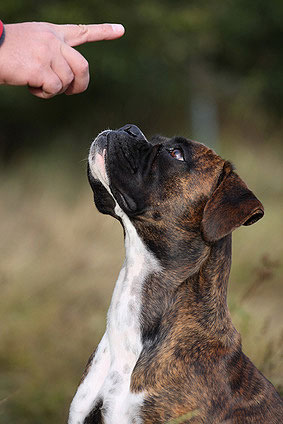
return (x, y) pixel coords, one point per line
(100, 143)
(97, 159)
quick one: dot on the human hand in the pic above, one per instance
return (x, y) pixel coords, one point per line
(41, 55)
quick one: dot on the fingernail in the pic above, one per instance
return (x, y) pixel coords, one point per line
(118, 28)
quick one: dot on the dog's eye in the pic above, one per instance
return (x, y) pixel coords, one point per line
(177, 154)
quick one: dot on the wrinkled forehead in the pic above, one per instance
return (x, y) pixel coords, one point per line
(197, 153)
(194, 146)
(194, 179)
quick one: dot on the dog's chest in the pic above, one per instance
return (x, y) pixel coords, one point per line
(108, 379)
(124, 333)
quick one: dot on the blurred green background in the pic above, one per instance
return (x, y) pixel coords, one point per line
(211, 71)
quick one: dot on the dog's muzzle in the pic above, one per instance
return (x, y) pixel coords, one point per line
(96, 159)
(98, 150)
(119, 160)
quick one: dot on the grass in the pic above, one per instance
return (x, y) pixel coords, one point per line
(56, 281)
(184, 418)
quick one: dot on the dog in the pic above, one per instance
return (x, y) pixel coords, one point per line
(170, 353)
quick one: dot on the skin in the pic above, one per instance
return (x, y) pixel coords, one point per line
(41, 56)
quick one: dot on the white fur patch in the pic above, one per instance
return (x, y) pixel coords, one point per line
(97, 165)
(110, 372)
(84, 399)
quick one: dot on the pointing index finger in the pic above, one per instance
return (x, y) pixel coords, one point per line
(74, 35)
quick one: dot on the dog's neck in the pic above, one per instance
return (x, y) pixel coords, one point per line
(147, 304)
(200, 301)
(123, 322)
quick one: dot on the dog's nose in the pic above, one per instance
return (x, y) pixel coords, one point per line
(132, 130)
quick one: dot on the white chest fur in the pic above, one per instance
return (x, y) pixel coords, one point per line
(110, 372)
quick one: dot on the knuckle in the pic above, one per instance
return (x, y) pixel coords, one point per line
(48, 37)
(84, 86)
(43, 53)
(104, 28)
(83, 30)
(47, 45)
(57, 86)
(53, 86)
(36, 76)
(79, 85)
(69, 77)
(83, 67)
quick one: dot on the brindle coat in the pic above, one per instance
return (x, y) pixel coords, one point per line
(192, 359)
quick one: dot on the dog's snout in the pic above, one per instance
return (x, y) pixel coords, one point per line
(132, 130)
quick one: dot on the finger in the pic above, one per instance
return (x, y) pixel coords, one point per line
(62, 69)
(75, 35)
(51, 86)
(79, 67)
(38, 92)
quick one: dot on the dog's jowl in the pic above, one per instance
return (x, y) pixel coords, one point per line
(170, 351)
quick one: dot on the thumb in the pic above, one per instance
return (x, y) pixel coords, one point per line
(75, 35)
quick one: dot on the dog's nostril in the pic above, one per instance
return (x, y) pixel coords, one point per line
(132, 130)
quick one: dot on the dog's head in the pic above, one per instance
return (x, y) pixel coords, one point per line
(175, 191)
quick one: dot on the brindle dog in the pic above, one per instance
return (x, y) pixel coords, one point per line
(170, 350)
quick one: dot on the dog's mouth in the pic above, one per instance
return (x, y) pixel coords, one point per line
(97, 159)
(116, 160)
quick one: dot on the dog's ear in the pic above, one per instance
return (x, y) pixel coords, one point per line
(232, 204)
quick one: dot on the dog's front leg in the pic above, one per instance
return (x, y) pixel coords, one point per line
(87, 395)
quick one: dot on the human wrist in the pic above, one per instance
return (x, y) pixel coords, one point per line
(2, 32)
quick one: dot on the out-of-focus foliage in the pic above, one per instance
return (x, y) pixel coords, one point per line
(147, 74)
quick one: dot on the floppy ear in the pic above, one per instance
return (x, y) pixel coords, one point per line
(232, 204)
